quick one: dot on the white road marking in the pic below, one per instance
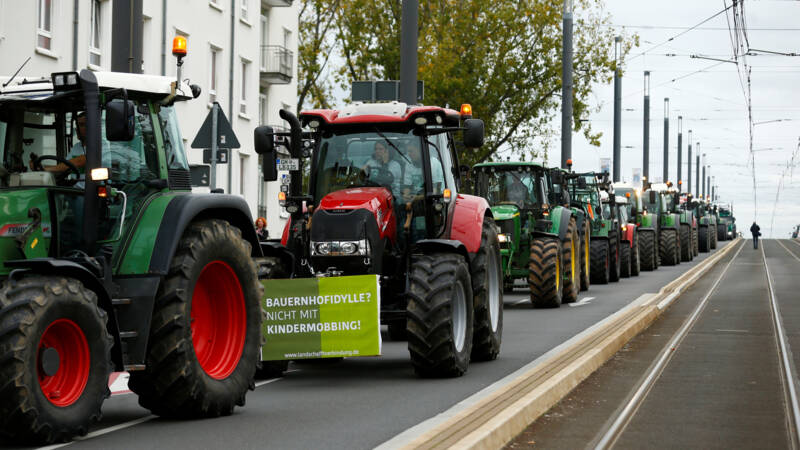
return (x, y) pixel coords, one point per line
(582, 302)
(522, 301)
(101, 432)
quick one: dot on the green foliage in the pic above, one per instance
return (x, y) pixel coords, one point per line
(501, 56)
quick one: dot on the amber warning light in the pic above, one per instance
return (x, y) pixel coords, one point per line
(179, 46)
(466, 109)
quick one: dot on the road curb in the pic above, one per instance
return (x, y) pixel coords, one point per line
(510, 405)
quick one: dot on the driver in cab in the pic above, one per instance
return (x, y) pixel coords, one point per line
(77, 154)
(381, 168)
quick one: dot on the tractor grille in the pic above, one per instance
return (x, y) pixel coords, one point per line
(179, 179)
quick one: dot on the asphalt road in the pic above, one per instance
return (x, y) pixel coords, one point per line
(363, 402)
(722, 388)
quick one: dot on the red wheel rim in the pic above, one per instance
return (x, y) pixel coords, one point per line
(219, 320)
(66, 385)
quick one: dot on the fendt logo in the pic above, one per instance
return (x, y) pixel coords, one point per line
(16, 229)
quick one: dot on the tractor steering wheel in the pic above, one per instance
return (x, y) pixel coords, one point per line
(37, 164)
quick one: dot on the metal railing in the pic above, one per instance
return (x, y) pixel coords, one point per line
(277, 60)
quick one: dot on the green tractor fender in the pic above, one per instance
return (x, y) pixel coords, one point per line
(559, 222)
(670, 221)
(580, 218)
(648, 221)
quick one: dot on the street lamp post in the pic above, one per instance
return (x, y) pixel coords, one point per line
(697, 177)
(646, 144)
(617, 105)
(704, 175)
(666, 140)
(566, 86)
(680, 151)
(689, 163)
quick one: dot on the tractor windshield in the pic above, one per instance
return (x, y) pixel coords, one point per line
(389, 159)
(45, 147)
(514, 186)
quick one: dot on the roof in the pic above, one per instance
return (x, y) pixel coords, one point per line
(390, 112)
(42, 87)
(508, 164)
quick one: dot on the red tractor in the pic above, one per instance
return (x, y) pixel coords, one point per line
(383, 196)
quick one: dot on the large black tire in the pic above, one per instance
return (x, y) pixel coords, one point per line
(668, 245)
(625, 260)
(696, 246)
(614, 269)
(635, 261)
(440, 315)
(686, 243)
(647, 249)
(268, 268)
(487, 293)
(704, 239)
(586, 256)
(55, 359)
(713, 233)
(721, 231)
(212, 281)
(601, 261)
(544, 273)
(571, 258)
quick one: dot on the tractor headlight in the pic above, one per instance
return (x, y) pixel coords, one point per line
(502, 237)
(340, 248)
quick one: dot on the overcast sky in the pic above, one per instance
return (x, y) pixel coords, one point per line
(712, 102)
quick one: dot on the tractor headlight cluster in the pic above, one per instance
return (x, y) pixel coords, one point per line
(340, 248)
(502, 237)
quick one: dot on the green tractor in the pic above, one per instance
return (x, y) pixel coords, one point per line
(706, 224)
(108, 262)
(629, 201)
(659, 200)
(726, 227)
(588, 190)
(688, 225)
(561, 191)
(539, 237)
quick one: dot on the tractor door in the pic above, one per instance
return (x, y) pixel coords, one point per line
(441, 176)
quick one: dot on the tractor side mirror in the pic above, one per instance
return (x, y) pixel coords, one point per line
(557, 176)
(653, 197)
(581, 183)
(264, 145)
(473, 133)
(120, 125)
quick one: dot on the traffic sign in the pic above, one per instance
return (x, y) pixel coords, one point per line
(222, 156)
(226, 138)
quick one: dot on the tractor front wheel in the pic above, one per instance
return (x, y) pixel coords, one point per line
(686, 244)
(56, 359)
(648, 250)
(544, 273)
(572, 264)
(206, 328)
(625, 260)
(704, 239)
(614, 269)
(487, 294)
(668, 245)
(440, 315)
(635, 262)
(601, 261)
(586, 256)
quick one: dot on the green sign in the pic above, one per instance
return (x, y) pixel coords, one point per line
(327, 317)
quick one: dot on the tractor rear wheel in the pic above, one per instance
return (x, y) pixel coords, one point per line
(614, 257)
(206, 329)
(713, 233)
(686, 243)
(601, 261)
(440, 315)
(635, 262)
(268, 268)
(487, 294)
(56, 359)
(625, 260)
(704, 239)
(586, 256)
(544, 272)
(696, 246)
(647, 249)
(572, 264)
(668, 245)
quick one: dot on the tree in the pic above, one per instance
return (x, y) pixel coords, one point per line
(317, 42)
(501, 56)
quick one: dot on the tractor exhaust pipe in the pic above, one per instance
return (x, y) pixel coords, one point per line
(295, 149)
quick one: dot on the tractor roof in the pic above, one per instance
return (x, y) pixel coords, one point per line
(388, 113)
(507, 165)
(41, 88)
(623, 185)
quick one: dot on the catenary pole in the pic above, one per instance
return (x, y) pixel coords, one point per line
(566, 85)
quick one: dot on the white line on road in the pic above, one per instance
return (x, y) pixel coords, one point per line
(101, 432)
(522, 301)
(787, 249)
(582, 302)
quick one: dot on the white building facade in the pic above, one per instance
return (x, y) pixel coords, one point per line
(242, 53)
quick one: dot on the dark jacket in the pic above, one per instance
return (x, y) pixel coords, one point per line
(756, 230)
(262, 234)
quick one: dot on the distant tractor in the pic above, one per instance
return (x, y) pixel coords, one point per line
(659, 200)
(108, 262)
(629, 248)
(706, 225)
(384, 197)
(539, 238)
(633, 207)
(727, 227)
(588, 189)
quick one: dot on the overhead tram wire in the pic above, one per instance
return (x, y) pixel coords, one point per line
(677, 35)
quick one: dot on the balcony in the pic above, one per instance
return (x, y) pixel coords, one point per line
(276, 64)
(276, 3)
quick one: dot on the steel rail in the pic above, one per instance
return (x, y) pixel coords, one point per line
(624, 416)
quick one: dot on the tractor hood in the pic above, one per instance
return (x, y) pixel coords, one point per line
(354, 214)
(504, 212)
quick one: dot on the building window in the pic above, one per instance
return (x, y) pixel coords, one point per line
(242, 172)
(243, 100)
(212, 71)
(94, 35)
(44, 30)
(244, 9)
(262, 109)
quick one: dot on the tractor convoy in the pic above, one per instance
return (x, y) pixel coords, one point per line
(109, 262)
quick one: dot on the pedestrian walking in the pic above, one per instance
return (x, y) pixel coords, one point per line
(756, 230)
